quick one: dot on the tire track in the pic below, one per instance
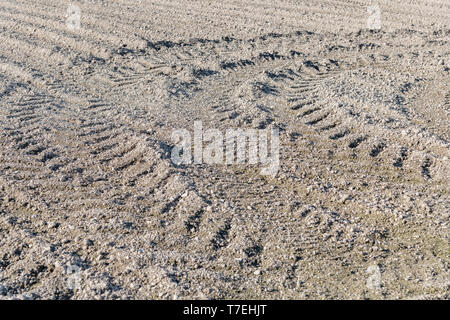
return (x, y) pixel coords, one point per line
(299, 89)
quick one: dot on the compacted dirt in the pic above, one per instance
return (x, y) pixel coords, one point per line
(92, 206)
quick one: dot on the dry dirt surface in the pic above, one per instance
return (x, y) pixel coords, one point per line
(93, 207)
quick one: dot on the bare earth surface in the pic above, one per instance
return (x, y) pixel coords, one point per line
(91, 205)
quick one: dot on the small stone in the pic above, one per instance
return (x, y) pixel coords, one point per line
(53, 225)
(345, 198)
